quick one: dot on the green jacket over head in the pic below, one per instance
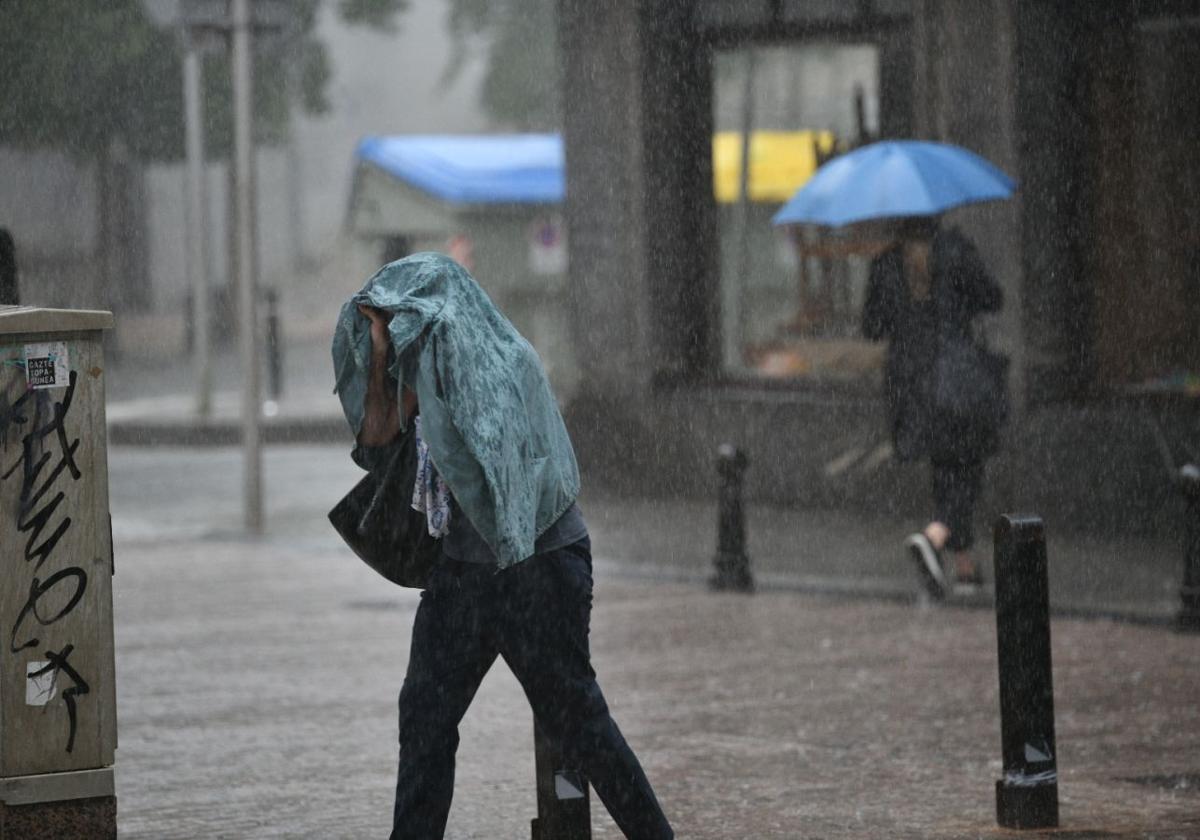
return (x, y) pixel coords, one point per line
(490, 419)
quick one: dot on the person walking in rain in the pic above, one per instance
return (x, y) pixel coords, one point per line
(422, 343)
(922, 297)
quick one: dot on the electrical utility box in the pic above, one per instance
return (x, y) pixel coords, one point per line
(58, 717)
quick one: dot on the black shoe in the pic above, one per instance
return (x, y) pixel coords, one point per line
(928, 561)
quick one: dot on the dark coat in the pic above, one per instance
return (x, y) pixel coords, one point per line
(961, 289)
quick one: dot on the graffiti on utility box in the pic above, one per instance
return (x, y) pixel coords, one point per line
(38, 456)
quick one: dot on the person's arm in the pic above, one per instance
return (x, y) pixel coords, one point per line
(381, 415)
(979, 290)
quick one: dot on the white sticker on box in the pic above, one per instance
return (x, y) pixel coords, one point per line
(41, 683)
(46, 365)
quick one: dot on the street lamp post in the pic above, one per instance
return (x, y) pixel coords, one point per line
(233, 18)
(196, 218)
(246, 246)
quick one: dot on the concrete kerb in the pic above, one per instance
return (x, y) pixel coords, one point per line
(882, 591)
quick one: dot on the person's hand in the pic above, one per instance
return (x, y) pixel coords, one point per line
(379, 328)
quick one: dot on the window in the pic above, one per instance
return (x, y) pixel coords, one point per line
(790, 298)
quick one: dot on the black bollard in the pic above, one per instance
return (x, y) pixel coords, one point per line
(564, 807)
(274, 347)
(1188, 482)
(1027, 796)
(732, 564)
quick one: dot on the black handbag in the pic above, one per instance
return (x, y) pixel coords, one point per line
(377, 520)
(970, 382)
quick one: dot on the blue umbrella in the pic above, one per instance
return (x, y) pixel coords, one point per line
(894, 178)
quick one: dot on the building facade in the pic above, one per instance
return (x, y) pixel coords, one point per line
(1086, 105)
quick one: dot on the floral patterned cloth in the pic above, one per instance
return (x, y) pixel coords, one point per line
(430, 495)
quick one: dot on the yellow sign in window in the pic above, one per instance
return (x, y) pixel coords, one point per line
(780, 163)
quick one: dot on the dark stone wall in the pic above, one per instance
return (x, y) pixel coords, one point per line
(681, 255)
(1052, 118)
(1095, 468)
(640, 218)
(964, 84)
(994, 76)
(605, 204)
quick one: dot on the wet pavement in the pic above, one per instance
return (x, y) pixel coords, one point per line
(257, 678)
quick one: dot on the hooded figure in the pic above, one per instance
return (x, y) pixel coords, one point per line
(489, 417)
(488, 422)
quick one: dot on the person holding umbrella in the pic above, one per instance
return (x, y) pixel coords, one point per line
(945, 391)
(922, 296)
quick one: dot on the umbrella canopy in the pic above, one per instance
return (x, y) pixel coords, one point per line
(894, 178)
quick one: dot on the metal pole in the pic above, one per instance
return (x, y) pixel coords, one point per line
(742, 225)
(1027, 796)
(243, 157)
(1189, 593)
(274, 347)
(564, 807)
(731, 562)
(295, 179)
(197, 225)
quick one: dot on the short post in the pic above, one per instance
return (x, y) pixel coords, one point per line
(564, 807)
(732, 564)
(274, 346)
(1188, 481)
(1027, 796)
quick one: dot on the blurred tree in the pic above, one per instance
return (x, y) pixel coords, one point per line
(521, 86)
(77, 76)
(101, 82)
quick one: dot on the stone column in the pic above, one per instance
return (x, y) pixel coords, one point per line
(605, 208)
(965, 78)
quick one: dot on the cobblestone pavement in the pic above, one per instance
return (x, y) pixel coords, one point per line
(257, 682)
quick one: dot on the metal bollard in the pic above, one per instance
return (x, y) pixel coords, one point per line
(1188, 481)
(732, 564)
(1027, 796)
(274, 346)
(564, 807)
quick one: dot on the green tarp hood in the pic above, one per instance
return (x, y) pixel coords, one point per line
(493, 426)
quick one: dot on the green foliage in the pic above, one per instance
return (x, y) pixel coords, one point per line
(73, 75)
(77, 75)
(521, 88)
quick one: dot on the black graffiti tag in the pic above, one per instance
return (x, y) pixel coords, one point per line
(33, 460)
(45, 444)
(38, 590)
(57, 664)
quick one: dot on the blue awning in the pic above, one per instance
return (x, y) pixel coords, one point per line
(473, 169)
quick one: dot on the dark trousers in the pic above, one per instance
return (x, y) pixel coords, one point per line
(956, 484)
(535, 615)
